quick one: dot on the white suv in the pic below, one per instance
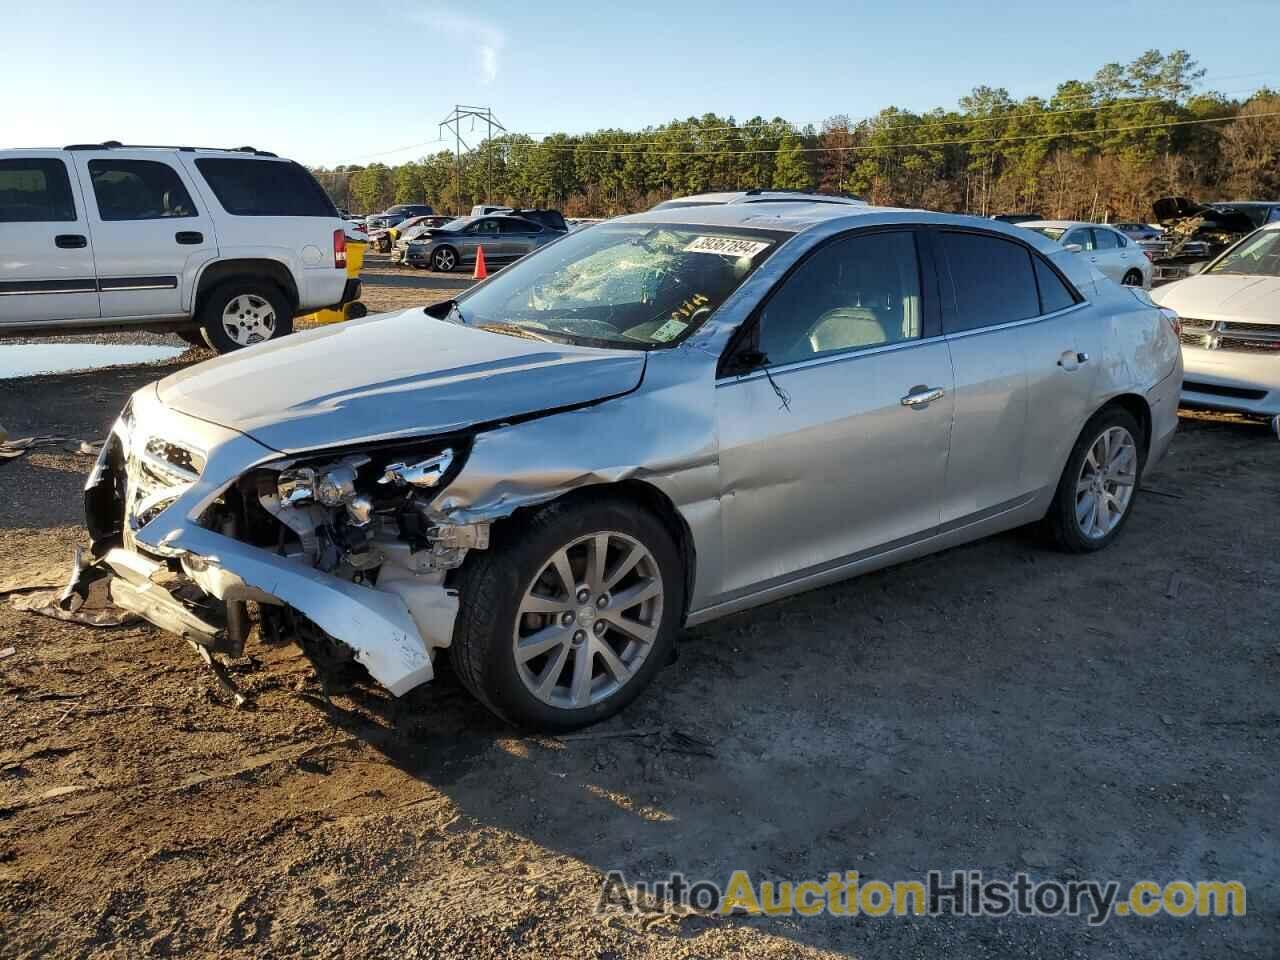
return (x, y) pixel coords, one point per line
(225, 245)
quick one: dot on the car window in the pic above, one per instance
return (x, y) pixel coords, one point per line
(1104, 240)
(993, 279)
(1082, 236)
(139, 190)
(35, 190)
(1054, 293)
(859, 291)
(265, 188)
(484, 226)
(519, 226)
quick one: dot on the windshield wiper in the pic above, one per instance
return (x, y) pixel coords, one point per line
(514, 330)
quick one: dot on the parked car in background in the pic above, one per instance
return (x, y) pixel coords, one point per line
(1114, 254)
(402, 236)
(1138, 232)
(381, 240)
(411, 210)
(1016, 218)
(484, 209)
(454, 246)
(756, 196)
(654, 423)
(1194, 234)
(1230, 314)
(223, 246)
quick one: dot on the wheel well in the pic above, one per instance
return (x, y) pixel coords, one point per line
(1137, 407)
(649, 498)
(223, 270)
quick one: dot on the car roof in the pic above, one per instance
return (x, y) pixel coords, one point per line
(1064, 224)
(800, 217)
(762, 196)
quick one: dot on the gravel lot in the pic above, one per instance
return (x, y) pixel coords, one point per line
(999, 707)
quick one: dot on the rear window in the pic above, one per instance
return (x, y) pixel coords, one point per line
(265, 188)
(35, 191)
(993, 278)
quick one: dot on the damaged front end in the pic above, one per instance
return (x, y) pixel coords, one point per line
(193, 521)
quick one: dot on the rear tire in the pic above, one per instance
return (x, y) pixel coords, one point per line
(240, 313)
(1099, 484)
(1132, 279)
(495, 629)
(193, 336)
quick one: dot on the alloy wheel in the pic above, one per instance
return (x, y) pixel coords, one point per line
(249, 319)
(588, 621)
(1107, 479)
(445, 260)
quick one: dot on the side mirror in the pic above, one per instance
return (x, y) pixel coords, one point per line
(1075, 248)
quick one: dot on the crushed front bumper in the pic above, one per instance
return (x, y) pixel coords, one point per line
(180, 575)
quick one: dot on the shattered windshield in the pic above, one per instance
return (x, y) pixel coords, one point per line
(1257, 256)
(636, 285)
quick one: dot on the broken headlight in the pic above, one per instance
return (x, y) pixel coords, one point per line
(332, 486)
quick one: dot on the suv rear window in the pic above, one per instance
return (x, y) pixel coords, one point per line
(35, 190)
(265, 188)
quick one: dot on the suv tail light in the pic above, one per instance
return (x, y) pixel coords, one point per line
(340, 248)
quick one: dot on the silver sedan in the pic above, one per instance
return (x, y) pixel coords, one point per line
(647, 425)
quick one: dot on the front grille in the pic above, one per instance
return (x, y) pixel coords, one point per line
(1231, 335)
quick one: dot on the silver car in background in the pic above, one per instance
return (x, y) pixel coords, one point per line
(664, 419)
(453, 246)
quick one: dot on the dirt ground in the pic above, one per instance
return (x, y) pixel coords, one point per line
(999, 707)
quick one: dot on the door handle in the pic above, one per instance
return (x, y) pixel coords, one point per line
(71, 241)
(921, 396)
(189, 237)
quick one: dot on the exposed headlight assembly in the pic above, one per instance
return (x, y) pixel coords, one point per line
(332, 486)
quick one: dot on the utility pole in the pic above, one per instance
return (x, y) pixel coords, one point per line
(453, 122)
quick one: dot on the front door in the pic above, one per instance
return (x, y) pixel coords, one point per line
(149, 233)
(46, 259)
(836, 447)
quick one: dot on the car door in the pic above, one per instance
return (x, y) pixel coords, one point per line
(833, 439)
(989, 295)
(482, 233)
(46, 258)
(518, 237)
(150, 235)
(1109, 254)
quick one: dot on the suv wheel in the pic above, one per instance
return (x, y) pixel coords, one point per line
(240, 313)
(1099, 483)
(567, 618)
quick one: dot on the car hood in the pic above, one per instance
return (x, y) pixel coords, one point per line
(396, 375)
(1222, 296)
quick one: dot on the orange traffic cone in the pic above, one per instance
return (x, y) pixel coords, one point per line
(481, 272)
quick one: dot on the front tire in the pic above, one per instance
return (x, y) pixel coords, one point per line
(241, 313)
(568, 616)
(1099, 483)
(444, 260)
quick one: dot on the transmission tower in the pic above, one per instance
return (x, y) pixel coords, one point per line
(453, 123)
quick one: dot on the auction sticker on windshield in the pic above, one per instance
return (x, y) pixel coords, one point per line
(726, 246)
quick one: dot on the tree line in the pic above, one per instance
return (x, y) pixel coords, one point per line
(1102, 148)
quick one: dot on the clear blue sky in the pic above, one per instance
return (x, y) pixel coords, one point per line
(328, 82)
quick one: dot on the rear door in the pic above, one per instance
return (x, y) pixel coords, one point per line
(989, 296)
(150, 235)
(46, 259)
(518, 236)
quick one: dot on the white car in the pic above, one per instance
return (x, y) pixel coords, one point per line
(225, 244)
(1114, 254)
(1230, 314)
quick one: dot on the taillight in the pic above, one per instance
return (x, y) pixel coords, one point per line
(340, 248)
(1175, 321)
